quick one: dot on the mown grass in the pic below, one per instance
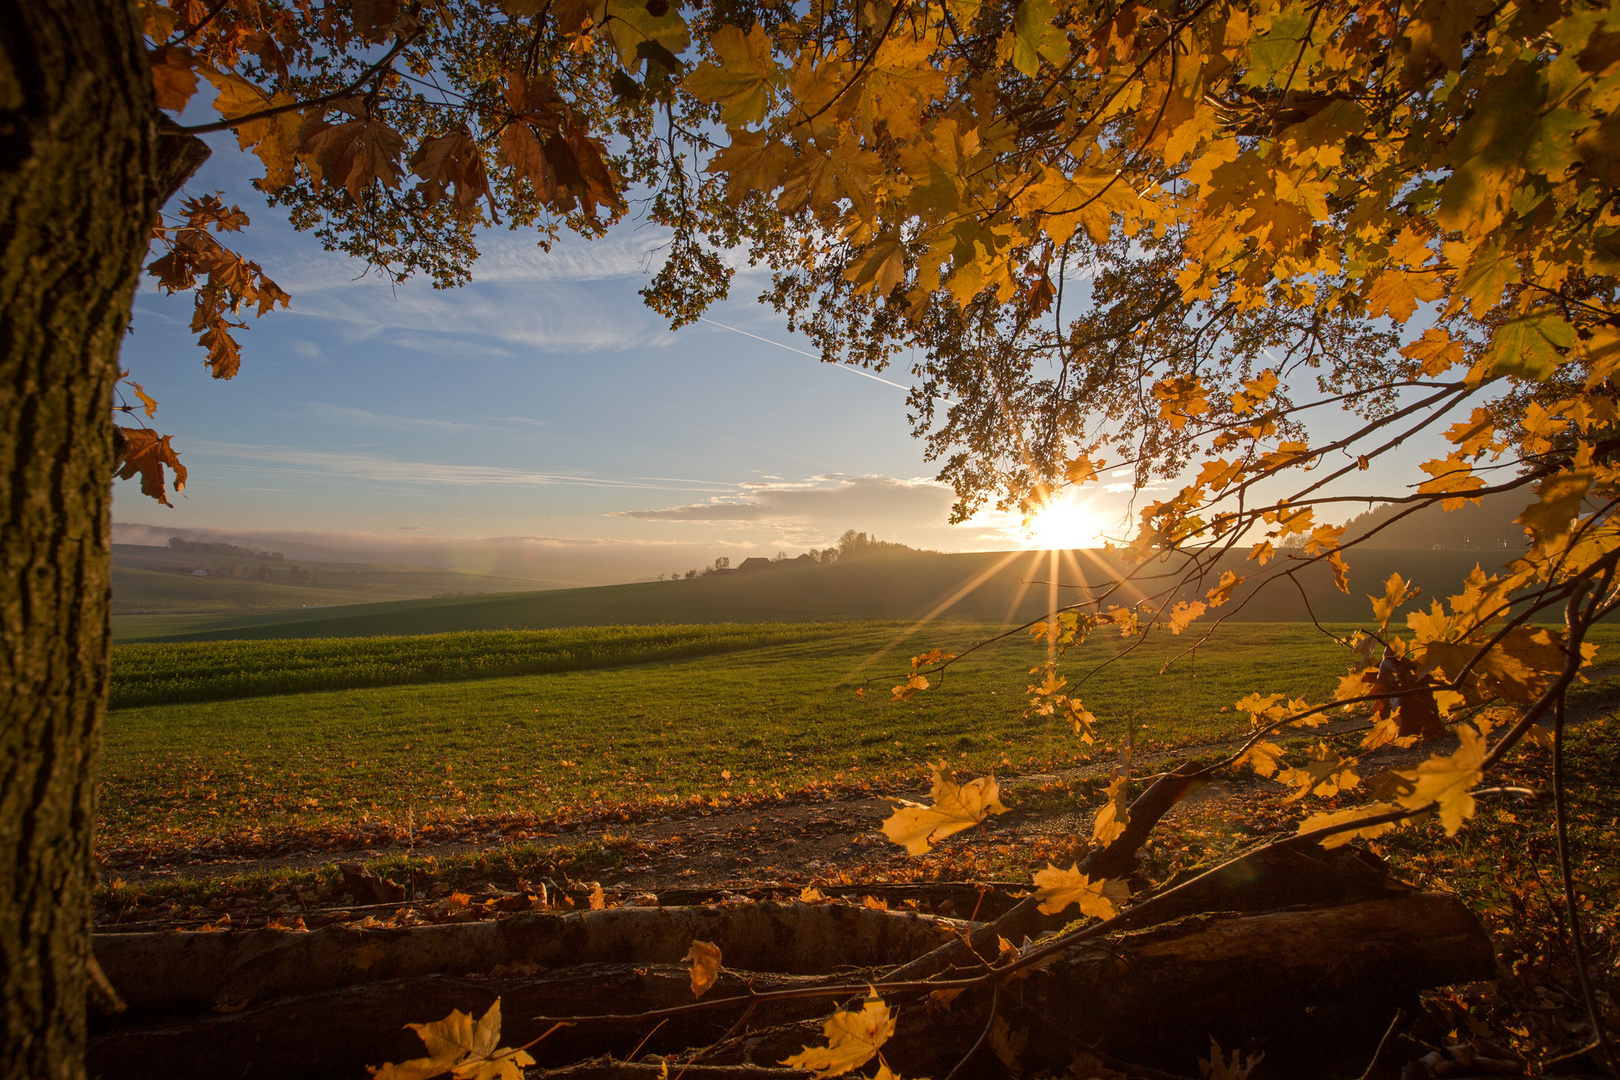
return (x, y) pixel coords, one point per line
(779, 717)
(163, 674)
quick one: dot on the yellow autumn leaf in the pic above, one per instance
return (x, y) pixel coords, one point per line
(1560, 499)
(853, 1039)
(1217, 1067)
(1056, 889)
(458, 1045)
(1396, 593)
(741, 78)
(1328, 818)
(1446, 781)
(1082, 469)
(1184, 613)
(1262, 757)
(1080, 718)
(917, 827)
(1325, 773)
(1222, 592)
(1114, 815)
(1451, 475)
(1180, 399)
(880, 269)
(909, 689)
(704, 957)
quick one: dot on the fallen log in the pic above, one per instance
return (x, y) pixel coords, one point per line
(155, 972)
(335, 1034)
(1312, 988)
(1270, 876)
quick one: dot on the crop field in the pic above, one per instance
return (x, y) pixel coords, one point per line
(772, 718)
(165, 674)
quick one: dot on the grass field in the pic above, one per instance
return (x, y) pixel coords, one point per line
(167, 674)
(779, 717)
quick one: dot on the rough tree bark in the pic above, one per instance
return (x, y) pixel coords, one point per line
(83, 171)
(1313, 987)
(158, 971)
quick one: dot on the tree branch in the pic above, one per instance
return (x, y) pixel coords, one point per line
(276, 110)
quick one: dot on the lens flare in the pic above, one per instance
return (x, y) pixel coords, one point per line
(1065, 522)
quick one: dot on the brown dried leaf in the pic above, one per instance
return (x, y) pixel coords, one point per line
(452, 159)
(174, 76)
(704, 957)
(144, 452)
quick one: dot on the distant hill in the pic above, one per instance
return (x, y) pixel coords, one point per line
(213, 579)
(989, 587)
(1484, 526)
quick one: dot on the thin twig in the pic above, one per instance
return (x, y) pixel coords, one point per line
(990, 1021)
(276, 110)
(1577, 939)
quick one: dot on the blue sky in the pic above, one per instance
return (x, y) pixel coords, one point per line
(540, 420)
(542, 406)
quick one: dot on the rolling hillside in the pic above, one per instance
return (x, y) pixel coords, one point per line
(980, 586)
(154, 582)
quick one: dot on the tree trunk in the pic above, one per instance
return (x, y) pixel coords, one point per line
(79, 188)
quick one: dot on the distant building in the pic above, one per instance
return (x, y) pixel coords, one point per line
(755, 563)
(199, 573)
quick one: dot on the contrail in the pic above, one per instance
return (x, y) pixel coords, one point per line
(847, 367)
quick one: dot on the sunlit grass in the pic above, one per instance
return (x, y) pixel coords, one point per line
(777, 718)
(169, 673)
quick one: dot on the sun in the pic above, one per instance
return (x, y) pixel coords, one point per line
(1063, 523)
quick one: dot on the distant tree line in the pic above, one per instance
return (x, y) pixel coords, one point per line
(852, 545)
(296, 575)
(1488, 524)
(180, 543)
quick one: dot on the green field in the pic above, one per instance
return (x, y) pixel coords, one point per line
(170, 673)
(778, 717)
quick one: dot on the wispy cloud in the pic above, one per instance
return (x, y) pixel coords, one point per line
(638, 255)
(502, 258)
(873, 501)
(285, 460)
(439, 345)
(561, 317)
(346, 417)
